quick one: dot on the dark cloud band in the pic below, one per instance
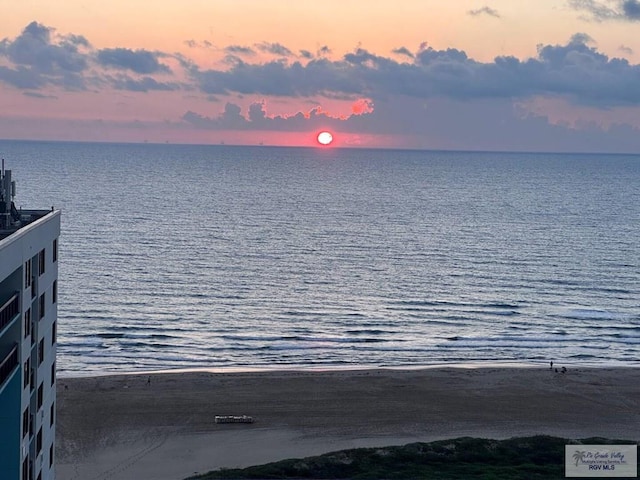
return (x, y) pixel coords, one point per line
(576, 71)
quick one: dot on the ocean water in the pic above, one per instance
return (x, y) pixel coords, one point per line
(177, 256)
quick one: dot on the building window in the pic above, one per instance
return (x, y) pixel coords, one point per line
(27, 322)
(40, 396)
(25, 422)
(40, 352)
(42, 305)
(54, 332)
(39, 442)
(39, 476)
(52, 414)
(25, 469)
(27, 274)
(25, 373)
(41, 261)
(55, 250)
(51, 456)
(53, 373)
(54, 296)
(32, 378)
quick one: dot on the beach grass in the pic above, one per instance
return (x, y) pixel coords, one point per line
(526, 458)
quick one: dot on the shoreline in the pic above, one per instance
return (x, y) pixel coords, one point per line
(161, 425)
(351, 368)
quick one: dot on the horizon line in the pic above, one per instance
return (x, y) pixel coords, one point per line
(309, 147)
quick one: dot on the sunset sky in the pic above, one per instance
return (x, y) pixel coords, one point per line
(532, 75)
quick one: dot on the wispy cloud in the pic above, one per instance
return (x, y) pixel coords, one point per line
(403, 51)
(142, 84)
(39, 95)
(306, 54)
(196, 44)
(138, 61)
(491, 12)
(601, 11)
(274, 48)
(239, 50)
(581, 38)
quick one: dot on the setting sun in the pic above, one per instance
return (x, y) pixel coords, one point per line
(325, 138)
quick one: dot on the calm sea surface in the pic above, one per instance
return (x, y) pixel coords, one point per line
(214, 256)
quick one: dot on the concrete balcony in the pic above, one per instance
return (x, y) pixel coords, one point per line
(9, 310)
(8, 366)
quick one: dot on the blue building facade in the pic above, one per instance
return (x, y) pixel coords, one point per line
(28, 324)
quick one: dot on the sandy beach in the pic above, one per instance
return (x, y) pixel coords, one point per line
(162, 427)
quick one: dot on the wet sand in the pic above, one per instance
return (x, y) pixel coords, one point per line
(126, 427)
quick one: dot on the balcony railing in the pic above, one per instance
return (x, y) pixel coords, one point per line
(8, 364)
(9, 310)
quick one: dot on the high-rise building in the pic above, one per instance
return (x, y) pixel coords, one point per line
(28, 313)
